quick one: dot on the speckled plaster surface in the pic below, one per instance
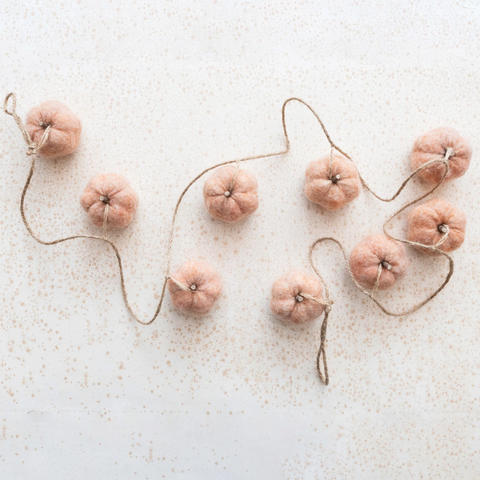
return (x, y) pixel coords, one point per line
(165, 89)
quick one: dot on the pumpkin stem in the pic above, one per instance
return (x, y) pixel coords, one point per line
(104, 199)
(335, 179)
(386, 265)
(442, 228)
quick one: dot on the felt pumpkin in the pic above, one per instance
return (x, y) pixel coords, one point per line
(332, 189)
(112, 189)
(288, 301)
(433, 145)
(378, 250)
(428, 223)
(65, 128)
(230, 194)
(195, 287)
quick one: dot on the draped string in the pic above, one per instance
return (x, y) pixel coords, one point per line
(35, 149)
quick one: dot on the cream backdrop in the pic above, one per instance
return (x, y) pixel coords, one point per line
(165, 89)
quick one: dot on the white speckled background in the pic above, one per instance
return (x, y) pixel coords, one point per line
(165, 89)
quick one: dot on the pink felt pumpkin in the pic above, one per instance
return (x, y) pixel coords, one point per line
(112, 189)
(195, 287)
(332, 188)
(428, 223)
(433, 145)
(65, 128)
(289, 300)
(378, 250)
(231, 194)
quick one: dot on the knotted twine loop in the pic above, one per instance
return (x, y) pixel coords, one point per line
(33, 148)
(33, 151)
(323, 333)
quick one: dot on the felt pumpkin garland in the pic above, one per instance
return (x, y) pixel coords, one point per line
(436, 227)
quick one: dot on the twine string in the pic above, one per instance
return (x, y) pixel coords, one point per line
(105, 220)
(33, 150)
(233, 180)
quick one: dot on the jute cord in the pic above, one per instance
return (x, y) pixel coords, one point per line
(35, 149)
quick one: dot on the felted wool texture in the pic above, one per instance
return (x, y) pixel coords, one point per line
(208, 287)
(433, 145)
(121, 197)
(243, 197)
(284, 303)
(329, 194)
(424, 221)
(65, 128)
(369, 253)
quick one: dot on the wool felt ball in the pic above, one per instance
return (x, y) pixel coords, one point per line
(112, 189)
(231, 197)
(200, 286)
(288, 302)
(65, 128)
(433, 145)
(332, 188)
(428, 223)
(378, 250)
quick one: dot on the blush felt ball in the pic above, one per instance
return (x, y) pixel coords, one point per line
(433, 146)
(230, 194)
(288, 301)
(428, 223)
(65, 128)
(374, 251)
(115, 191)
(332, 187)
(195, 287)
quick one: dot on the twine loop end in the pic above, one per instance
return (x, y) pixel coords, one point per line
(5, 104)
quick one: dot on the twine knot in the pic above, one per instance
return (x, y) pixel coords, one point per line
(32, 149)
(328, 307)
